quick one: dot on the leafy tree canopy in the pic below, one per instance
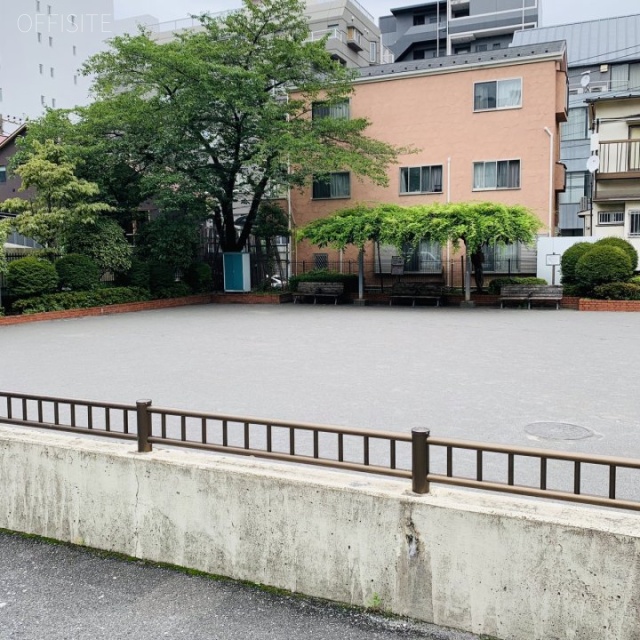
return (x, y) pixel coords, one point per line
(61, 198)
(210, 118)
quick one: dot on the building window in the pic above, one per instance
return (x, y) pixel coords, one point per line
(48, 9)
(75, 50)
(575, 128)
(41, 67)
(577, 186)
(39, 37)
(418, 20)
(421, 179)
(611, 217)
(481, 47)
(42, 100)
(51, 41)
(321, 261)
(500, 174)
(498, 94)
(75, 79)
(53, 102)
(335, 185)
(52, 72)
(497, 45)
(373, 51)
(425, 258)
(419, 54)
(336, 110)
(3, 174)
(634, 223)
(38, 6)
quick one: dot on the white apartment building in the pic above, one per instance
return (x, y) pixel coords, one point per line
(43, 44)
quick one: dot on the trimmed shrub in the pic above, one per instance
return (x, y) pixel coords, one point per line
(350, 280)
(199, 277)
(569, 260)
(137, 276)
(77, 272)
(635, 280)
(601, 265)
(80, 299)
(618, 291)
(627, 247)
(29, 276)
(176, 290)
(162, 276)
(497, 283)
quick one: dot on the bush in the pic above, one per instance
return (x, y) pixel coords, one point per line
(627, 247)
(29, 276)
(176, 290)
(350, 280)
(80, 299)
(497, 283)
(162, 276)
(199, 277)
(569, 260)
(77, 272)
(601, 265)
(618, 291)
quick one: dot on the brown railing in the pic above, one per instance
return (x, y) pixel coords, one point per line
(416, 456)
(620, 156)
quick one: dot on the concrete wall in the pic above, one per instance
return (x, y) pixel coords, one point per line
(491, 565)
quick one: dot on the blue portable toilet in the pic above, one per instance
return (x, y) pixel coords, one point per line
(237, 272)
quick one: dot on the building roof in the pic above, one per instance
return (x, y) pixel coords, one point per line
(7, 139)
(613, 95)
(591, 42)
(450, 63)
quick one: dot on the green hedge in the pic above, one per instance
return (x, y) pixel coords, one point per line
(80, 299)
(620, 243)
(570, 258)
(603, 264)
(350, 280)
(77, 272)
(618, 291)
(497, 283)
(31, 277)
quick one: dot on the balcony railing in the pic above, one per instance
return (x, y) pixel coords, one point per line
(333, 34)
(620, 157)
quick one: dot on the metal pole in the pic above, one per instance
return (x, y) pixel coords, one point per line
(419, 460)
(361, 274)
(144, 425)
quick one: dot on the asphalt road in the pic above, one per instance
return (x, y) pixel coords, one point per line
(57, 592)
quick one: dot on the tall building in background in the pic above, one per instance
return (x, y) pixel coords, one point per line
(353, 37)
(43, 45)
(449, 27)
(603, 58)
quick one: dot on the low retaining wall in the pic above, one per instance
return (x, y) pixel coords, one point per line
(587, 304)
(487, 564)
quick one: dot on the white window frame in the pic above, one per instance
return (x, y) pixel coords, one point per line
(421, 191)
(634, 213)
(497, 83)
(496, 187)
(608, 218)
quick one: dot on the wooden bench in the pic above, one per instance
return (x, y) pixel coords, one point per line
(317, 290)
(530, 293)
(415, 291)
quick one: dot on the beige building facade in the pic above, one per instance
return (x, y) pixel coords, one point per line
(615, 144)
(484, 127)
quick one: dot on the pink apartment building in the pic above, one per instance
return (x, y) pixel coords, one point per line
(486, 127)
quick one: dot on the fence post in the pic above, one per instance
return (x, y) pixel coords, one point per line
(419, 460)
(144, 425)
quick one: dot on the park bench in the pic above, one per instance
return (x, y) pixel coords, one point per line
(317, 290)
(530, 293)
(415, 291)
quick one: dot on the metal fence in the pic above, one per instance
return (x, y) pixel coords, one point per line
(610, 481)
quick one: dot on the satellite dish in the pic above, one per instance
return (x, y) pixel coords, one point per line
(593, 164)
(585, 80)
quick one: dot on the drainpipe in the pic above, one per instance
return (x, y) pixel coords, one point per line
(551, 149)
(448, 281)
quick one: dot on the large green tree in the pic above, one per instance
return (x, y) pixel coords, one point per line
(221, 115)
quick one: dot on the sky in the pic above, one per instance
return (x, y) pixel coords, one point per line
(553, 11)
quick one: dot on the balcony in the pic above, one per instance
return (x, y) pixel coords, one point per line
(354, 39)
(619, 160)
